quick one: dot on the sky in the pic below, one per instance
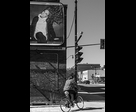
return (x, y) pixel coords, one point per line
(90, 20)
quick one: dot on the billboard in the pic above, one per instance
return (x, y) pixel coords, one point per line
(47, 49)
(47, 24)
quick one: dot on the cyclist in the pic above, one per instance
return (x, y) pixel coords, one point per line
(70, 89)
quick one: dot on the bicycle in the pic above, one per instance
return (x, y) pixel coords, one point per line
(65, 104)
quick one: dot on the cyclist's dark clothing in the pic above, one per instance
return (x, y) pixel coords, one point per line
(71, 87)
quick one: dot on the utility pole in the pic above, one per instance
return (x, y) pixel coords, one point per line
(75, 39)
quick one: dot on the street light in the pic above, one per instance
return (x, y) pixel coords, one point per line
(70, 56)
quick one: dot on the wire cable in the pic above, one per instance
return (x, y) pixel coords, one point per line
(71, 27)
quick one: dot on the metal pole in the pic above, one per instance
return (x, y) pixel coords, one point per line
(57, 72)
(76, 44)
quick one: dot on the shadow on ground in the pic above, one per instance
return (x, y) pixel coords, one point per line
(92, 88)
(90, 97)
(87, 108)
(92, 93)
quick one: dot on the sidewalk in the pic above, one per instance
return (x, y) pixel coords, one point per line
(88, 107)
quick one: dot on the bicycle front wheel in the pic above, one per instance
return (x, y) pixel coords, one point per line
(65, 105)
(80, 102)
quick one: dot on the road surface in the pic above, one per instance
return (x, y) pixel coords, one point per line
(93, 95)
(88, 107)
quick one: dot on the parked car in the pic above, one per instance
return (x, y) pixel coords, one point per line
(86, 82)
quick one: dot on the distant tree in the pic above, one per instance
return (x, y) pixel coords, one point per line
(70, 70)
(55, 18)
(56, 13)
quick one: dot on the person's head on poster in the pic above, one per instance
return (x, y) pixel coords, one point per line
(44, 14)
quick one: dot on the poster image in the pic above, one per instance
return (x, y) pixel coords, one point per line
(46, 24)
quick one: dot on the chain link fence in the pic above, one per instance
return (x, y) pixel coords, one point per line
(47, 79)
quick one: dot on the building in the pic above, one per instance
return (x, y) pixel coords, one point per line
(87, 74)
(83, 67)
(85, 71)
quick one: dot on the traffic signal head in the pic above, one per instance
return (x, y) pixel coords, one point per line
(78, 48)
(78, 54)
(102, 44)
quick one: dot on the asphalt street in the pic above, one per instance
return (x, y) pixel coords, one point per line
(88, 107)
(94, 100)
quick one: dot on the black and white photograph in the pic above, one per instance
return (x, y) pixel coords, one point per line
(46, 23)
(67, 55)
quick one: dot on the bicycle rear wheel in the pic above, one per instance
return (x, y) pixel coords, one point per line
(65, 105)
(80, 102)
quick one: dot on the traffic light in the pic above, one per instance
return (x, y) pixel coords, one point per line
(102, 43)
(78, 54)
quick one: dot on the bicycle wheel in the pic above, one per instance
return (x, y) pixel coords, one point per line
(80, 102)
(65, 105)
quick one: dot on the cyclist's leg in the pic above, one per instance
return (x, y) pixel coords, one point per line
(67, 94)
(71, 97)
(75, 96)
